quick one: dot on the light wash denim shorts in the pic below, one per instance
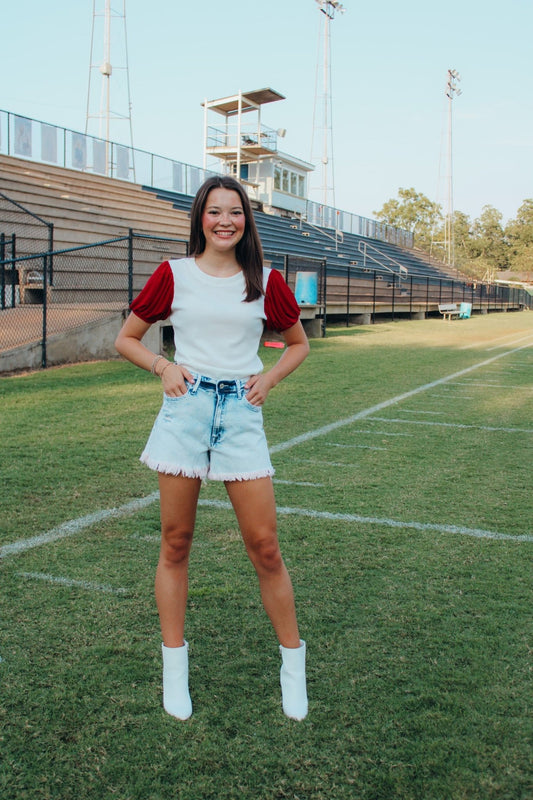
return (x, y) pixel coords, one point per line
(212, 431)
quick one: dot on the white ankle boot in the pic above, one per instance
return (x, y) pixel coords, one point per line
(292, 679)
(176, 697)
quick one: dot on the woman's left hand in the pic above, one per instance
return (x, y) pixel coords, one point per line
(257, 388)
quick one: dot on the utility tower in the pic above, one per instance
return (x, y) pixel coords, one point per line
(452, 91)
(322, 136)
(109, 34)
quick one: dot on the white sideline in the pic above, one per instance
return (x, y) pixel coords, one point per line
(389, 523)
(74, 526)
(367, 412)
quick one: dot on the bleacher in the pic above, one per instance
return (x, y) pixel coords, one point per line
(297, 237)
(83, 207)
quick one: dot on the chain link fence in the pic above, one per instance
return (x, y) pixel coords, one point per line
(21, 233)
(53, 293)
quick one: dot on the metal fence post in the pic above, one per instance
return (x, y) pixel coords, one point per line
(50, 250)
(130, 265)
(374, 299)
(324, 272)
(3, 271)
(348, 300)
(45, 309)
(13, 270)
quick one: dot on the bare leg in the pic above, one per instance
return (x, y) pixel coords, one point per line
(255, 507)
(179, 498)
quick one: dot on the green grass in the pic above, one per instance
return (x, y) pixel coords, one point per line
(419, 638)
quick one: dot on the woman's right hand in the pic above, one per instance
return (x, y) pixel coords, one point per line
(174, 377)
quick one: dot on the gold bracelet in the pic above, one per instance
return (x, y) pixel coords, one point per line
(154, 364)
(168, 364)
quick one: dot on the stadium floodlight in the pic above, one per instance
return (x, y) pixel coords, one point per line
(452, 90)
(322, 112)
(329, 7)
(451, 86)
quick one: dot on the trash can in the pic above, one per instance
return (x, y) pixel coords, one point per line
(306, 289)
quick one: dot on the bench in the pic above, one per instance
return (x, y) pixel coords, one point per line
(449, 310)
(31, 286)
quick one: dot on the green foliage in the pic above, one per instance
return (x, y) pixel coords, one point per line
(519, 233)
(482, 247)
(414, 212)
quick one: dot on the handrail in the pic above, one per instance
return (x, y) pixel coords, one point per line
(402, 270)
(338, 237)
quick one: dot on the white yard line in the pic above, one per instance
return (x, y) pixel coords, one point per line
(389, 523)
(499, 339)
(72, 584)
(74, 526)
(369, 412)
(522, 338)
(450, 424)
(357, 446)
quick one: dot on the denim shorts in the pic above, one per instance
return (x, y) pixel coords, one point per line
(212, 431)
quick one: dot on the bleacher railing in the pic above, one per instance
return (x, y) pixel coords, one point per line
(24, 137)
(50, 144)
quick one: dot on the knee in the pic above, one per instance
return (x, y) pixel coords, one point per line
(175, 546)
(265, 554)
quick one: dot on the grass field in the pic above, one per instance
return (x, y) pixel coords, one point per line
(403, 455)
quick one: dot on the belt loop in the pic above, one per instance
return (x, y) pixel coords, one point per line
(197, 381)
(240, 389)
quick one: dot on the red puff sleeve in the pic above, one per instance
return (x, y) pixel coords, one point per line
(281, 309)
(155, 301)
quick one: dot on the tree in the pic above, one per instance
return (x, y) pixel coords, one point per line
(413, 212)
(489, 244)
(482, 248)
(519, 233)
(462, 237)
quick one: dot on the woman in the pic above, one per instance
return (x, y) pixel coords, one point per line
(210, 424)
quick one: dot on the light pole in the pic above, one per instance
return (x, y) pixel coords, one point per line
(122, 97)
(452, 90)
(322, 120)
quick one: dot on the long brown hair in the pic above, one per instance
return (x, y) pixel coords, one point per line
(249, 251)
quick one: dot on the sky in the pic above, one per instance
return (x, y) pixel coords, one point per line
(389, 64)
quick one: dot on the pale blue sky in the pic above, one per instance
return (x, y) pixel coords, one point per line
(389, 67)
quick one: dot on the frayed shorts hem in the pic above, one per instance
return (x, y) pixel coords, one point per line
(203, 473)
(173, 469)
(240, 476)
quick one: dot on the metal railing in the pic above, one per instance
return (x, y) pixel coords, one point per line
(34, 140)
(372, 253)
(379, 292)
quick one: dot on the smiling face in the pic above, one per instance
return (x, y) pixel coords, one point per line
(223, 220)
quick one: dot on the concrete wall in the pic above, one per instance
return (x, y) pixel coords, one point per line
(92, 341)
